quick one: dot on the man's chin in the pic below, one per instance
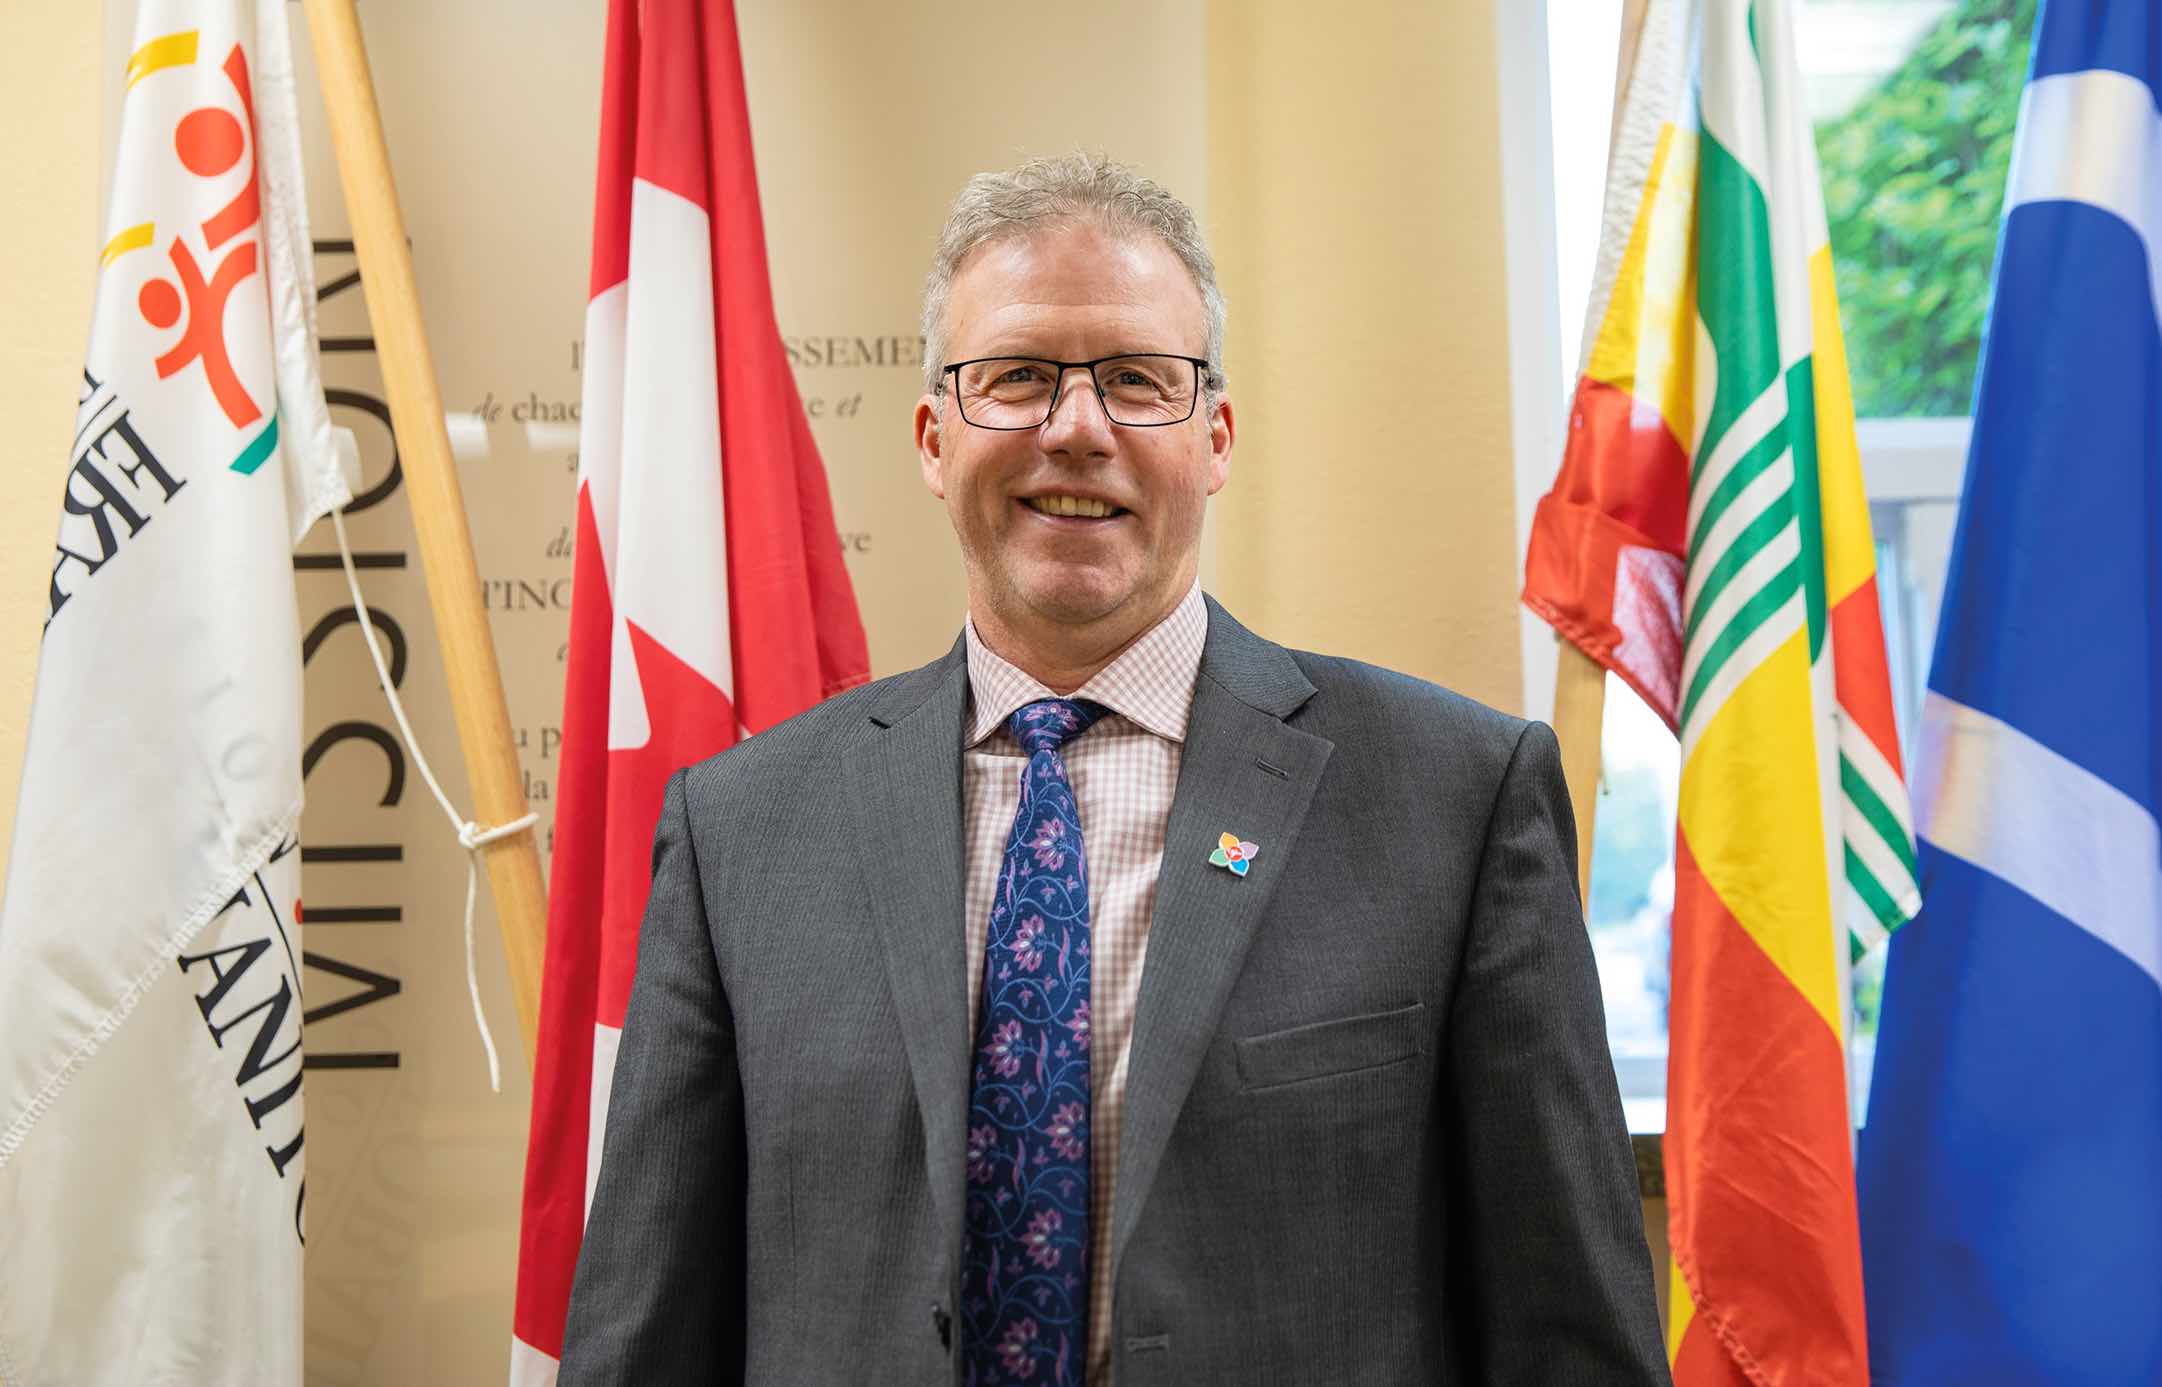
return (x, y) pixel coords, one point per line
(1066, 608)
(1079, 600)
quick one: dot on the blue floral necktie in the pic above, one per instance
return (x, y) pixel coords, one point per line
(1025, 1260)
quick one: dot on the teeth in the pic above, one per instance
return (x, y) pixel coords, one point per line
(1070, 505)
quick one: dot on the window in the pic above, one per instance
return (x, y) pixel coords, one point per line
(1915, 103)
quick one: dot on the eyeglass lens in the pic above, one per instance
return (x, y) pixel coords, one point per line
(1019, 392)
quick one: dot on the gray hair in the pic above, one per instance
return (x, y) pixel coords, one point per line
(1045, 193)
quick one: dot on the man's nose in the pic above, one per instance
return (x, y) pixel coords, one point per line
(1078, 423)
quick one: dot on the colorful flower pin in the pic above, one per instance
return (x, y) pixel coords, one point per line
(1231, 852)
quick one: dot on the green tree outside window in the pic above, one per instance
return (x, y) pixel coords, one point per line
(1913, 186)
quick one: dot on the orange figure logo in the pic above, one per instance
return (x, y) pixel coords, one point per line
(210, 141)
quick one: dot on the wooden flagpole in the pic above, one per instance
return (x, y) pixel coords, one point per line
(431, 478)
(1579, 680)
(1579, 710)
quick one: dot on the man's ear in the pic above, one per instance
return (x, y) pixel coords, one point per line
(1222, 430)
(930, 445)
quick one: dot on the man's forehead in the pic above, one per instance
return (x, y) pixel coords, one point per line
(1076, 276)
(1075, 250)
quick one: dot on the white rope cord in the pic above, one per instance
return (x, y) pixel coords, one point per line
(471, 836)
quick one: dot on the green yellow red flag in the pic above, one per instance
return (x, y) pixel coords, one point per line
(1708, 541)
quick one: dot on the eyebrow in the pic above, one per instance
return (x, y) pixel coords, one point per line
(1035, 353)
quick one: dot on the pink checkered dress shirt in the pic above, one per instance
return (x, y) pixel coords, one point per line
(1124, 771)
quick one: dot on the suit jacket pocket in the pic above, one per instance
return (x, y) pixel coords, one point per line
(1325, 1048)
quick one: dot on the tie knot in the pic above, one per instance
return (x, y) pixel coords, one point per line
(1050, 723)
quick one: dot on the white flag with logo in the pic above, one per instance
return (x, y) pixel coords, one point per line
(152, 1156)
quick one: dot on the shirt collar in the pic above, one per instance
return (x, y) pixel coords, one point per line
(1150, 684)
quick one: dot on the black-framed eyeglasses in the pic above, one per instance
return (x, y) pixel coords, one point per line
(1142, 390)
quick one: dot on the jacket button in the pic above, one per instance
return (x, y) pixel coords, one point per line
(943, 1323)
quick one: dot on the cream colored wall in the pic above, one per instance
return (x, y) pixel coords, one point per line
(1380, 226)
(49, 102)
(1355, 202)
(1350, 171)
(1354, 195)
(867, 117)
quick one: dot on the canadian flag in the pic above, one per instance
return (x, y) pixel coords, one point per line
(710, 600)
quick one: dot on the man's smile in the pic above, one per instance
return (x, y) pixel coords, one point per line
(1068, 506)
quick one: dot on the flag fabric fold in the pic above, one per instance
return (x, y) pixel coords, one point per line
(152, 1151)
(710, 600)
(2011, 1216)
(1707, 540)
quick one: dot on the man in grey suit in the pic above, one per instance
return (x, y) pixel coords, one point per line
(1260, 1044)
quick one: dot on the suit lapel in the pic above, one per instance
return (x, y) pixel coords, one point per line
(909, 821)
(1243, 771)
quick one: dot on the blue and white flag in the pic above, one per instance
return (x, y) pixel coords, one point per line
(2011, 1170)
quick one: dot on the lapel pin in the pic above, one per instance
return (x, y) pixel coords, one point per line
(1234, 854)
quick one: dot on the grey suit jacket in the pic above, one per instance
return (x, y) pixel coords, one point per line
(1371, 1128)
